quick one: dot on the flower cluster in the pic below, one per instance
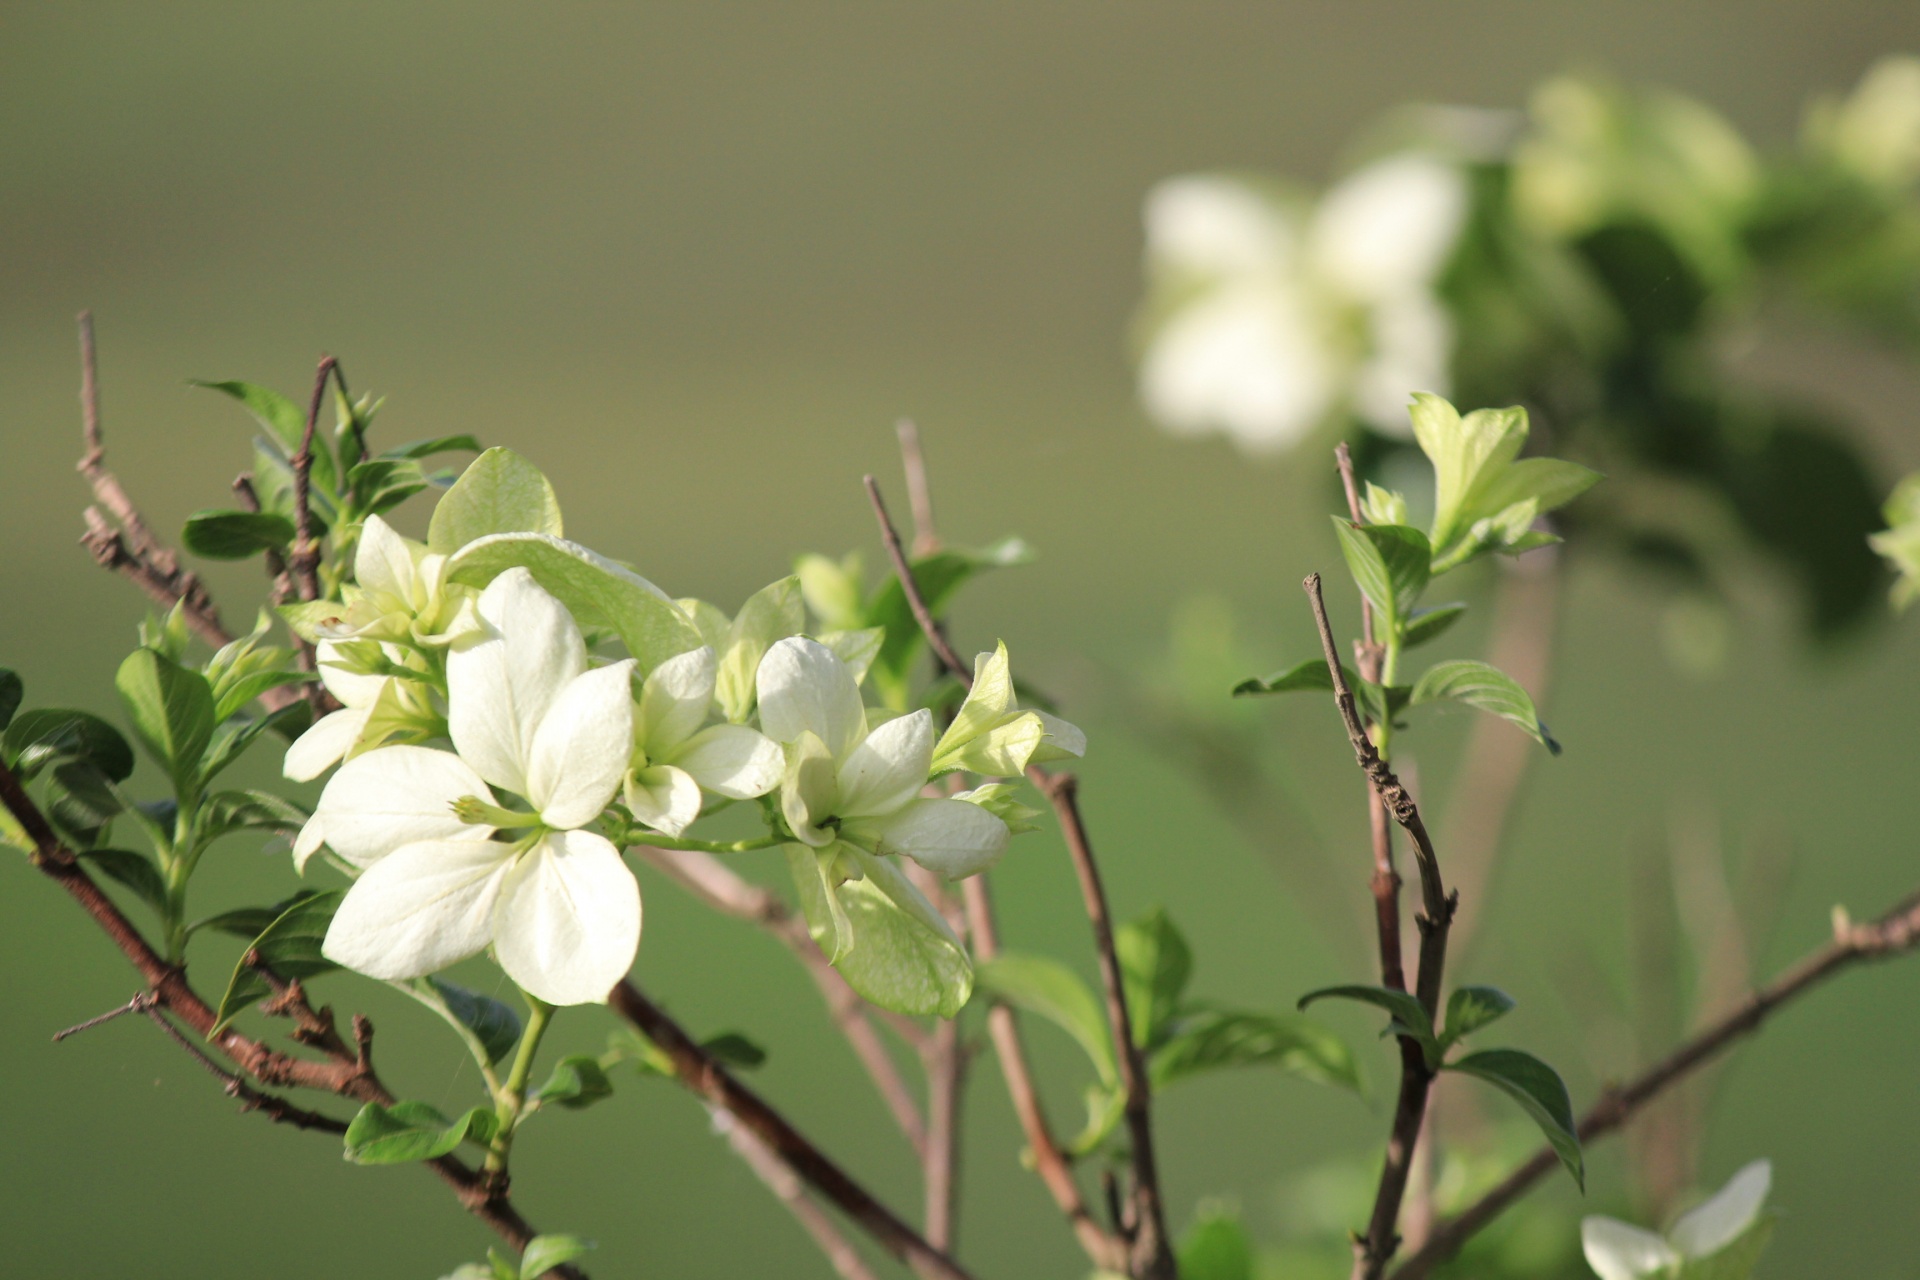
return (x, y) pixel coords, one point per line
(496, 759)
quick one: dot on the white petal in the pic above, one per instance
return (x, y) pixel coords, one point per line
(568, 923)
(1412, 351)
(1390, 226)
(889, 768)
(322, 746)
(501, 682)
(807, 790)
(1248, 361)
(312, 835)
(1617, 1251)
(383, 562)
(952, 837)
(664, 798)
(421, 908)
(1063, 738)
(987, 703)
(731, 760)
(353, 688)
(395, 796)
(581, 748)
(675, 699)
(1211, 225)
(805, 689)
(1719, 1222)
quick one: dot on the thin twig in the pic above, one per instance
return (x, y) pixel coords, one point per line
(1895, 933)
(919, 493)
(304, 562)
(125, 544)
(1151, 1250)
(790, 1191)
(1375, 1249)
(140, 1003)
(700, 1072)
(274, 1107)
(351, 1078)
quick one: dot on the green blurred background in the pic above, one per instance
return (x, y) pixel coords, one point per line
(695, 260)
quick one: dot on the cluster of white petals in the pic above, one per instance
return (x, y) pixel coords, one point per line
(1267, 321)
(531, 717)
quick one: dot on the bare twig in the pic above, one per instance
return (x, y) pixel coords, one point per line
(274, 1107)
(348, 1073)
(919, 494)
(1373, 1250)
(698, 1071)
(140, 1003)
(304, 562)
(790, 1191)
(1895, 933)
(125, 544)
(1151, 1250)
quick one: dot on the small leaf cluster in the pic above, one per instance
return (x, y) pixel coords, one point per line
(543, 1254)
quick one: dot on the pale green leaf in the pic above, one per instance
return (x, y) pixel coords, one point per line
(499, 492)
(1486, 687)
(1041, 985)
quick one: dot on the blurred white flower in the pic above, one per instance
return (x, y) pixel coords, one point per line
(447, 870)
(1619, 1251)
(1267, 321)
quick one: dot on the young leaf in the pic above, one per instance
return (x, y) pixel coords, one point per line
(134, 870)
(171, 709)
(38, 738)
(1491, 690)
(439, 444)
(544, 1253)
(1737, 1260)
(904, 957)
(1216, 1248)
(1208, 1040)
(1429, 624)
(235, 735)
(229, 811)
(500, 492)
(1470, 1008)
(236, 535)
(1309, 675)
(1044, 986)
(577, 1081)
(1540, 1092)
(735, 1050)
(938, 576)
(409, 1131)
(289, 945)
(492, 1023)
(11, 691)
(1390, 563)
(1155, 964)
(286, 424)
(769, 615)
(1410, 1017)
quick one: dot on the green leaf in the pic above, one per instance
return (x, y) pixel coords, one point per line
(577, 1082)
(1465, 453)
(1042, 985)
(769, 615)
(171, 709)
(237, 733)
(1548, 483)
(1390, 564)
(904, 956)
(11, 691)
(134, 870)
(1208, 1040)
(1738, 1259)
(544, 1253)
(1409, 1015)
(289, 945)
(1310, 675)
(492, 1022)
(500, 492)
(286, 424)
(938, 576)
(1487, 687)
(236, 535)
(81, 802)
(409, 1131)
(598, 592)
(735, 1050)
(1471, 1008)
(1216, 1247)
(1429, 624)
(438, 444)
(1155, 964)
(1540, 1092)
(38, 738)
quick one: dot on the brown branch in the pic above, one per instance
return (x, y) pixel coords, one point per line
(1894, 933)
(790, 1191)
(1373, 1251)
(1049, 1158)
(945, 1062)
(919, 493)
(347, 1073)
(1151, 1250)
(698, 1071)
(304, 562)
(125, 544)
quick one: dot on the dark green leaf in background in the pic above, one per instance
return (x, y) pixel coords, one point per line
(1540, 1092)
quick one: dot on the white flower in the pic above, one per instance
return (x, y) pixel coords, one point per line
(991, 735)
(674, 756)
(399, 592)
(528, 716)
(1273, 321)
(1619, 1251)
(364, 698)
(846, 783)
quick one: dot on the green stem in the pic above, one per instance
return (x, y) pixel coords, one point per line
(511, 1102)
(654, 839)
